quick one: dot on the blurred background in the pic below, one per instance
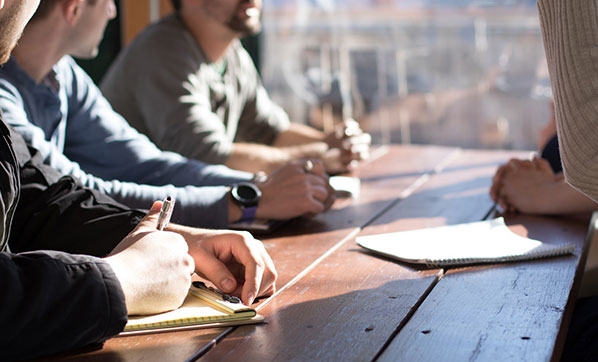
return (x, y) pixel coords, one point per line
(468, 73)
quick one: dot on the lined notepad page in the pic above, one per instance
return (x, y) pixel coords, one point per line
(488, 241)
(201, 307)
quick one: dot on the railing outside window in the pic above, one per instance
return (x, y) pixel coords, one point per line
(450, 72)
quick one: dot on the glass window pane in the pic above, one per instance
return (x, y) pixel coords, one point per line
(467, 73)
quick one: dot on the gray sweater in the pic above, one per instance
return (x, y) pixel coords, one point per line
(167, 88)
(570, 33)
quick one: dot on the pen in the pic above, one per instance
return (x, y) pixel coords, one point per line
(165, 212)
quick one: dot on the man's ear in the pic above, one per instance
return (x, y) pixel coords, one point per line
(1, 4)
(71, 9)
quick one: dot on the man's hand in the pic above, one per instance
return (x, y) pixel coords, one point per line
(153, 267)
(293, 191)
(497, 183)
(525, 186)
(233, 261)
(347, 145)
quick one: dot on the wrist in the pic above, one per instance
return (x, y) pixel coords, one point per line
(245, 196)
(234, 210)
(248, 214)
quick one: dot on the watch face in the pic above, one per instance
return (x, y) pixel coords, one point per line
(245, 193)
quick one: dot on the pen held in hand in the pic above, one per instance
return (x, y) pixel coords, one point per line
(165, 212)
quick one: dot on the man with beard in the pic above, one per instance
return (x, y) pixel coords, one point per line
(188, 84)
(56, 107)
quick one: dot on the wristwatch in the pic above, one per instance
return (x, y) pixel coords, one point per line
(247, 196)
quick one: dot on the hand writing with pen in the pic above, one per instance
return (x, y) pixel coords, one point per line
(154, 267)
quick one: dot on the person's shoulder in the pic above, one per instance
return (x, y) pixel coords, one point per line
(165, 33)
(165, 43)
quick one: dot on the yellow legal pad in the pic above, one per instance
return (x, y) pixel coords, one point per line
(204, 307)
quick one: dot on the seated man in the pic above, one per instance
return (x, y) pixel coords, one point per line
(188, 84)
(50, 100)
(538, 186)
(81, 251)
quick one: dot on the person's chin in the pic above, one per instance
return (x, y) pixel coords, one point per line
(91, 54)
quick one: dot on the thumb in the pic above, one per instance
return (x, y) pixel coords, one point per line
(150, 221)
(218, 273)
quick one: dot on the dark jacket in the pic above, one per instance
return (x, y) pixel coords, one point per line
(52, 297)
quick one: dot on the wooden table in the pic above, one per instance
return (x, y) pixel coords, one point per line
(336, 302)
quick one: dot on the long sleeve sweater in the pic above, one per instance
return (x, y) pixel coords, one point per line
(570, 34)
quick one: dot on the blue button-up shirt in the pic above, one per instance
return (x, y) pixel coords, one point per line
(76, 130)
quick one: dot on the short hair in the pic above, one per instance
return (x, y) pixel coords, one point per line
(46, 6)
(176, 4)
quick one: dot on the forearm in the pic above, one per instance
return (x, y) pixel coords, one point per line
(553, 198)
(298, 134)
(256, 157)
(566, 200)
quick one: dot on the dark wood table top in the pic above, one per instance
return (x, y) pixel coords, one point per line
(337, 302)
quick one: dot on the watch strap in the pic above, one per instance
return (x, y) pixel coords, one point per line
(248, 213)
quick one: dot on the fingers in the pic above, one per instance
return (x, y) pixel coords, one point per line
(320, 193)
(318, 188)
(504, 204)
(291, 191)
(150, 221)
(352, 153)
(503, 201)
(524, 163)
(213, 269)
(494, 191)
(513, 183)
(190, 262)
(514, 164)
(497, 181)
(317, 206)
(259, 276)
(153, 266)
(542, 164)
(312, 166)
(355, 146)
(349, 127)
(358, 142)
(149, 224)
(308, 166)
(497, 189)
(352, 140)
(238, 264)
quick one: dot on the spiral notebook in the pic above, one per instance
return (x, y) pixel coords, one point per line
(481, 242)
(204, 307)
